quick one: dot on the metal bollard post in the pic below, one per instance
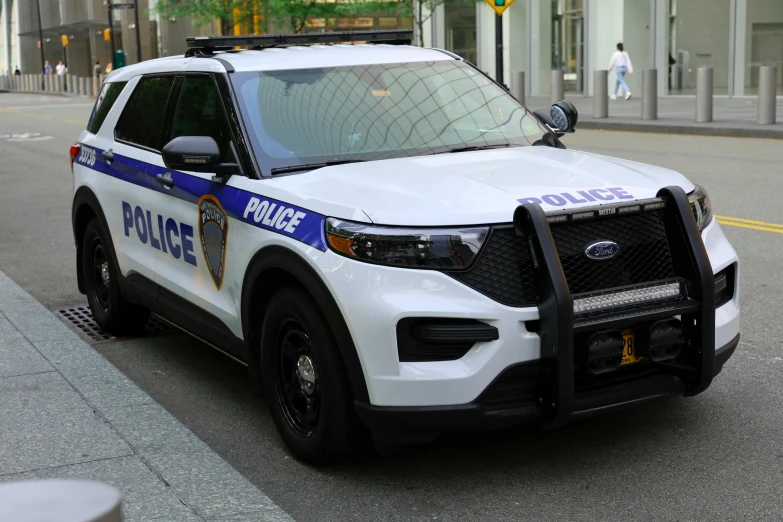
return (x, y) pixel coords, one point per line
(767, 88)
(518, 86)
(703, 94)
(650, 94)
(556, 89)
(601, 94)
(82, 86)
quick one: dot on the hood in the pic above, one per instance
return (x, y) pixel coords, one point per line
(479, 187)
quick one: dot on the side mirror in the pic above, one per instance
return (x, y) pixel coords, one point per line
(564, 115)
(196, 154)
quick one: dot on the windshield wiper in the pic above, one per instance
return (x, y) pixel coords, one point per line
(470, 148)
(311, 166)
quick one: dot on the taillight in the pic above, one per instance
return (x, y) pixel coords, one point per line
(75, 149)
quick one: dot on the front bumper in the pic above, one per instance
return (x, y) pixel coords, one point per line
(510, 400)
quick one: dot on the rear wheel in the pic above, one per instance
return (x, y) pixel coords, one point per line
(109, 309)
(305, 381)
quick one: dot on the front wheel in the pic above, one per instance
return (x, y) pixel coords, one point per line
(109, 309)
(305, 381)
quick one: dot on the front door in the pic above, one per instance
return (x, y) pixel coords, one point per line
(203, 294)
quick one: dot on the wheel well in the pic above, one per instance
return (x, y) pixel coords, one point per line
(274, 268)
(83, 214)
(266, 285)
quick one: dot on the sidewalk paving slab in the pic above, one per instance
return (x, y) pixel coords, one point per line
(68, 413)
(734, 117)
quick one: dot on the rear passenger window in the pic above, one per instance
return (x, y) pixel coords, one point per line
(108, 95)
(142, 120)
(199, 112)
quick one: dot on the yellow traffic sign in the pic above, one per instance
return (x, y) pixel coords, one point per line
(499, 5)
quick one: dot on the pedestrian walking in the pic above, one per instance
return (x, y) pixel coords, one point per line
(47, 67)
(17, 72)
(621, 63)
(97, 69)
(60, 68)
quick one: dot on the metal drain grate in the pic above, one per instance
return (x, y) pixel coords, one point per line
(80, 319)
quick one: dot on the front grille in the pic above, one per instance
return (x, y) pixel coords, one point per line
(504, 270)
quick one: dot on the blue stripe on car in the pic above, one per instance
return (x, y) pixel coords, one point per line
(308, 226)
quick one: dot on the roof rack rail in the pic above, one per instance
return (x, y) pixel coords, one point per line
(209, 44)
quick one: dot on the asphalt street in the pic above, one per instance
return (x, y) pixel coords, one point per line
(718, 456)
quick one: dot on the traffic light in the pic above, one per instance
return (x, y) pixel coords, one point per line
(64, 40)
(106, 35)
(499, 5)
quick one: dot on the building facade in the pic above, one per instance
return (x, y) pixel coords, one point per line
(734, 37)
(83, 22)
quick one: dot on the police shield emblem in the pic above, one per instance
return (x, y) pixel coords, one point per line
(213, 231)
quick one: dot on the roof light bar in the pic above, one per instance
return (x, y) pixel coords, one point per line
(622, 298)
(395, 37)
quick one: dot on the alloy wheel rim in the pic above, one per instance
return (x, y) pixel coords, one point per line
(101, 276)
(298, 386)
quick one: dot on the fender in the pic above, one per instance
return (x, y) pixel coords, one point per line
(281, 259)
(85, 206)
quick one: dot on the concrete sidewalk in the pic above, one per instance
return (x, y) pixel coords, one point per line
(676, 115)
(66, 412)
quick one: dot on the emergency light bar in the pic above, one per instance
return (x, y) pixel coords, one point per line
(212, 43)
(628, 297)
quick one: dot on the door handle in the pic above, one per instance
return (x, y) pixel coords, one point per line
(108, 156)
(165, 180)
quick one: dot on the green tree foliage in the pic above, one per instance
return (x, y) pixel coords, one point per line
(273, 13)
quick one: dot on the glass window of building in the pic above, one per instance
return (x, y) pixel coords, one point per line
(460, 22)
(568, 33)
(763, 42)
(698, 36)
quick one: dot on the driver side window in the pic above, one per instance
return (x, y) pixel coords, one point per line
(200, 112)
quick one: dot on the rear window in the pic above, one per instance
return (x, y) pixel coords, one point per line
(108, 95)
(142, 120)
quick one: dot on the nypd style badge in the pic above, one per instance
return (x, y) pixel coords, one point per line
(213, 231)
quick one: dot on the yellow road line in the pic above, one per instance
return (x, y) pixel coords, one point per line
(38, 116)
(749, 221)
(752, 227)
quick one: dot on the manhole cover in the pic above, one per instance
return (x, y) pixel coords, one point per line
(80, 319)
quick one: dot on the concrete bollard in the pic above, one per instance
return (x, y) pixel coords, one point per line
(518, 86)
(83, 86)
(767, 88)
(59, 500)
(556, 88)
(650, 94)
(703, 94)
(601, 94)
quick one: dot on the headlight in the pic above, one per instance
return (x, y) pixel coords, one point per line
(441, 248)
(701, 206)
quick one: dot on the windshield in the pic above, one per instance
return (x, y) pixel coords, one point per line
(371, 112)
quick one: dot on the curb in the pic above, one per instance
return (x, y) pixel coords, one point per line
(158, 463)
(775, 132)
(47, 93)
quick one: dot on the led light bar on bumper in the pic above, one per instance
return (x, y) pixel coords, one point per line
(440, 248)
(642, 295)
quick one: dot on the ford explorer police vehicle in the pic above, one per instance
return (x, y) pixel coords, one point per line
(391, 242)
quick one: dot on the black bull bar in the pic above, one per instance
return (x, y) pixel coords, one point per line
(694, 366)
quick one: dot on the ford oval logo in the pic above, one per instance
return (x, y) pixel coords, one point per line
(601, 250)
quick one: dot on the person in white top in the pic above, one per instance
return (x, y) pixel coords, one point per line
(60, 68)
(621, 63)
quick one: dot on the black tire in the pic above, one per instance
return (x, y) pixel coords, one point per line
(315, 420)
(109, 309)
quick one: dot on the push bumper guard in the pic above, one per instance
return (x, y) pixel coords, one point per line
(548, 391)
(694, 366)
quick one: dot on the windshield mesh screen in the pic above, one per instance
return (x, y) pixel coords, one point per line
(378, 111)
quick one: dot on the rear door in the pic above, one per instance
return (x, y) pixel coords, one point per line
(137, 207)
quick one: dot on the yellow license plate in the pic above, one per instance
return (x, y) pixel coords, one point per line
(629, 348)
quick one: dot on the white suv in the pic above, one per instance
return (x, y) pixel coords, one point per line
(389, 240)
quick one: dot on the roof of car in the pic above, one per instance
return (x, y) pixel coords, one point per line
(293, 57)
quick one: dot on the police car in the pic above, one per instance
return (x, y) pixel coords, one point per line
(391, 243)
